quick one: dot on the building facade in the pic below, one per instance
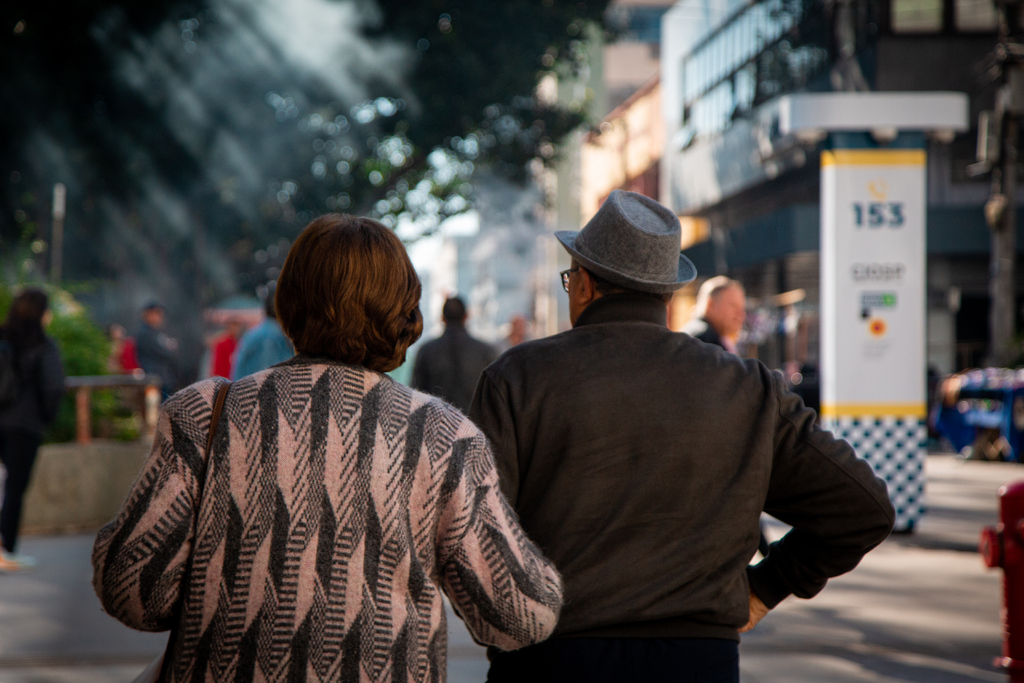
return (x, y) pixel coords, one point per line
(727, 64)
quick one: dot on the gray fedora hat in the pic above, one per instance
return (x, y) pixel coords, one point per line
(632, 241)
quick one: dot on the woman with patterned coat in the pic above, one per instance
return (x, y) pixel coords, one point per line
(336, 506)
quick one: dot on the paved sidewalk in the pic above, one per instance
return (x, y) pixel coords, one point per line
(52, 627)
(920, 608)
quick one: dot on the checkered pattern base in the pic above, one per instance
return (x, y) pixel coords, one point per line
(895, 449)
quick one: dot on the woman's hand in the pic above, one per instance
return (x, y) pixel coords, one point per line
(757, 612)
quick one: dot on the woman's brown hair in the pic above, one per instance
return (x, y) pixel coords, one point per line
(348, 291)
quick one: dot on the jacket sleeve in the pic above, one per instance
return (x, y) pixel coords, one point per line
(508, 594)
(837, 507)
(139, 559)
(51, 382)
(491, 413)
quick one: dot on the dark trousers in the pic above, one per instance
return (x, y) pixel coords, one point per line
(18, 452)
(619, 660)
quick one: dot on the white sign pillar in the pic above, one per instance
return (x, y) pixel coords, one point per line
(873, 298)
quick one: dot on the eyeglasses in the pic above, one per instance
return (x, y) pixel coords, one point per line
(565, 278)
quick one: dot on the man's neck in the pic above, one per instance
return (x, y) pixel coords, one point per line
(624, 307)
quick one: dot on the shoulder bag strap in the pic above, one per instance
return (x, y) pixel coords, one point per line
(218, 408)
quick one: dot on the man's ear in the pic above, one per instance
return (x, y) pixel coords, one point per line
(588, 285)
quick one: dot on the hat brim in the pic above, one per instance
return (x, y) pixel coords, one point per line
(684, 276)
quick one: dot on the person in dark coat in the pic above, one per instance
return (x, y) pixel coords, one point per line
(40, 376)
(449, 366)
(639, 460)
(156, 351)
(720, 313)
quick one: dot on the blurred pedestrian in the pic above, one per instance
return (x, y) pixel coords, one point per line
(450, 365)
(23, 419)
(640, 460)
(719, 314)
(517, 327)
(223, 348)
(335, 505)
(157, 352)
(263, 345)
(122, 359)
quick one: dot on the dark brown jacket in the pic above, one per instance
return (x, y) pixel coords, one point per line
(640, 460)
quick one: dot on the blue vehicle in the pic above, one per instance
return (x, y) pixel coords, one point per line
(981, 412)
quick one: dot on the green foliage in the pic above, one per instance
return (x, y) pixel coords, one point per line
(112, 418)
(478, 66)
(477, 69)
(102, 92)
(83, 345)
(63, 428)
(84, 350)
(5, 302)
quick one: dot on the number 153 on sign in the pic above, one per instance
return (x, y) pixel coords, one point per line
(878, 214)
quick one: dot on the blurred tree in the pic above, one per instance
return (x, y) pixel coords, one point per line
(190, 134)
(478, 66)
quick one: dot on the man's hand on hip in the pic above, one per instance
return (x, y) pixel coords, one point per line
(757, 612)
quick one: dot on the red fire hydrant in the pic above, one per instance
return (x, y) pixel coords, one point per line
(1003, 546)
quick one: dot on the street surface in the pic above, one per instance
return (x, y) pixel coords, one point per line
(922, 607)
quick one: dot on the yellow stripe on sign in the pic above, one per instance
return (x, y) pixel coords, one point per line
(874, 410)
(873, 157)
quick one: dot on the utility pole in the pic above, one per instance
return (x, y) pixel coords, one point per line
(1000, 210)
(1002, 215)
(60, 198)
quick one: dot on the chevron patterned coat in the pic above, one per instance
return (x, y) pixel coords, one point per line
(315, 545)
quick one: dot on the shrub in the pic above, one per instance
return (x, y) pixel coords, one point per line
(84, 350)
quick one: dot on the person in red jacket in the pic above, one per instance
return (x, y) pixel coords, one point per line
(122, 359)
(223, 349)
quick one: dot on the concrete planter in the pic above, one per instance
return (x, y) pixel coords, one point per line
(77, 488)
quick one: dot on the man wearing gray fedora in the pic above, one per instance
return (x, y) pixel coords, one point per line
(640, 459)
